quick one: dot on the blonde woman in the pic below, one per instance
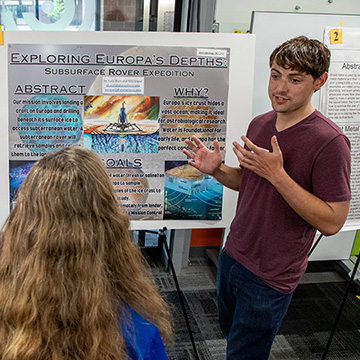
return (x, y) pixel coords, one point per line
(73, 284)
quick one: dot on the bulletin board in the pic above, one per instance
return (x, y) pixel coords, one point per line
(131, 97)
(340, 101)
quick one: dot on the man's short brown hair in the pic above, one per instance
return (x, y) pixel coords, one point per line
(302, 54)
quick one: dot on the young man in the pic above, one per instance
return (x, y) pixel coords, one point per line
(293, 179)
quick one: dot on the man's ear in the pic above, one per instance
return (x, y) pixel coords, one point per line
(320, 81)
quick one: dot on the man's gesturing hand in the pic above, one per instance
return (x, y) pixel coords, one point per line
(266, 164)
(202, 158)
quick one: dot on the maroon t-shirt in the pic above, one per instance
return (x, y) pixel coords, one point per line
(266, 236)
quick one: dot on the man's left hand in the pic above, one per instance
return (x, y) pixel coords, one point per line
(268, 165)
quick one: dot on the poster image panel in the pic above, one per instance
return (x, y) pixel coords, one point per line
(189, 194)
(121, 124)
(18, 171)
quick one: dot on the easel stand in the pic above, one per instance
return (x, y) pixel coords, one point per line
(162, 238)
(341, 307)
(342, 302)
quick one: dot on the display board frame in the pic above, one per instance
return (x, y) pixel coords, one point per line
(238, 105)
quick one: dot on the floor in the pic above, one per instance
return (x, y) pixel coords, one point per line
(305, 330)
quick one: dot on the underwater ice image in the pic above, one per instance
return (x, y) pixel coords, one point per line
(189, 194)
(121, 124)
(49, 122)
(128, 144)
(18, 171)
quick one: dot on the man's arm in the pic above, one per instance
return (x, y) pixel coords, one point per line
(210, 162)
(327, 217)
(229, 176)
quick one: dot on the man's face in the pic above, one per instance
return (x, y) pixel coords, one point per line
(290, 91)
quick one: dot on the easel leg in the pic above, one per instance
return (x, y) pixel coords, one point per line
(341, 308)
(162, 238)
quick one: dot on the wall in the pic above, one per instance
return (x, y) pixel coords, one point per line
(236, 14)
(133, 15)
(206, 237)
(118, 15)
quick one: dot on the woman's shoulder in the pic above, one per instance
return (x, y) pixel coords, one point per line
(142, 339)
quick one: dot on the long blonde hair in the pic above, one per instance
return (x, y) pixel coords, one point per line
(68, 266)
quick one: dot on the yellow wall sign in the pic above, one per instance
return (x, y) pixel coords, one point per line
(336, 36)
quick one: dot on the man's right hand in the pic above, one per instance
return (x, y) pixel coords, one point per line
(210, 162)
(202, 158)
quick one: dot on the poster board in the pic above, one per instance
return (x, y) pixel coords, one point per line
(340, 100)
(239, 78)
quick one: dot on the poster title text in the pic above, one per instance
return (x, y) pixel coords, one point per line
(17, 58)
